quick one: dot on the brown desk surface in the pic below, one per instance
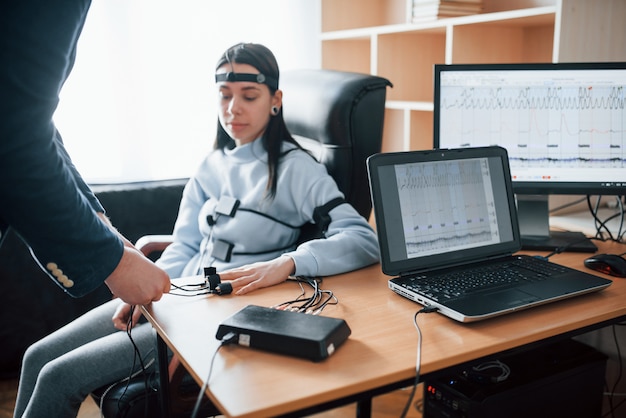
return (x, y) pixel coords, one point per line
(380, 351)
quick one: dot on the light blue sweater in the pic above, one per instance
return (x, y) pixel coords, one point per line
(262, 228)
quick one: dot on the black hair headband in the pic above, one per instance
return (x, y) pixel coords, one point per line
(271, 82)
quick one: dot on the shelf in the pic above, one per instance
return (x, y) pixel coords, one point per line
(406, 53)
(377, 37)
(536, 16)
(350, 14)
(402, 105)
(407, 129)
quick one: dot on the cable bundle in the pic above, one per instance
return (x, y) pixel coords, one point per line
(313, 304)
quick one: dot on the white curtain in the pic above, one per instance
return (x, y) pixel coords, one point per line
(140, 102)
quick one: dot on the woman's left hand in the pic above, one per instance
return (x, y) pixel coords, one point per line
(247, 278)
(122, 315)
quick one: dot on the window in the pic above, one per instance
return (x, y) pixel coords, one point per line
(140, 102)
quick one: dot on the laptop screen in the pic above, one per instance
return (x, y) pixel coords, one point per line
(440, 208)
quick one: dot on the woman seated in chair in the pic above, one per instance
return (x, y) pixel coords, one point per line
(241, 213)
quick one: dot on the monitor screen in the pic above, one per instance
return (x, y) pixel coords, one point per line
(563, 125)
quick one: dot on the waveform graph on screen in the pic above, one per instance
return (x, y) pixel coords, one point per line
(446, 206)
(563, 126)
(567, 126)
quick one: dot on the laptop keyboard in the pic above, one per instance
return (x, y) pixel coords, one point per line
(453, 284)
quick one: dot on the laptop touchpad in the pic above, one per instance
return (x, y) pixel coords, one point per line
(512, 297)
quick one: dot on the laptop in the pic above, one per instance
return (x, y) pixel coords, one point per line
(442, 214)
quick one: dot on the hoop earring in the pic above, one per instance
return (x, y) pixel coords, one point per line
(274, 110)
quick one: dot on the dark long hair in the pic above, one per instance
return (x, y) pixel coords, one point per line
(261, 58)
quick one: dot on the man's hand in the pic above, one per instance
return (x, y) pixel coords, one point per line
(137, 280)
(258, 275)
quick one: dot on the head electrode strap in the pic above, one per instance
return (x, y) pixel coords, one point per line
(271, 82)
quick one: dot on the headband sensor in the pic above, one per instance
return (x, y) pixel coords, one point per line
(271, 82)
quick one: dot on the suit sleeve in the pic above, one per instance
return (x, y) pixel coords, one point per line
(42, 195)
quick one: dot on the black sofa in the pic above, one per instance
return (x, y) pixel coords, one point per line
(32, 306)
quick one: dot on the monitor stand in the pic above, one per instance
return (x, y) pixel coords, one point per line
(533, 216)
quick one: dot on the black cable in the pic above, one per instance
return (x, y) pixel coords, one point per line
(137, 356)
(112, 385)
(418, 362)
(620, 213)
(284, 305)
(602, 224)
(203, 288)
(330, 296)
(313, 304)
(199, 288)
(594, 212)
(195, 286)
(313, 300)
(227, 339)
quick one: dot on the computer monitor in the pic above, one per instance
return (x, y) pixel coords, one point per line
(563, 125)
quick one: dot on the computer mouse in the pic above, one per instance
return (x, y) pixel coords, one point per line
(611, 264)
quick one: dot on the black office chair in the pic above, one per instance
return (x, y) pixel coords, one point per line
(337, 116)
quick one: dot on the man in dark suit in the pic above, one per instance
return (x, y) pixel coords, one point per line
(42, 195)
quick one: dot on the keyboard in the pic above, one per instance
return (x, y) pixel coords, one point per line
(456, 283)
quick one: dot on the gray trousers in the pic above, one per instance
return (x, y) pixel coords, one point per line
(59, 371)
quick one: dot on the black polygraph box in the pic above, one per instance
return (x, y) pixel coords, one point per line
(292, 333)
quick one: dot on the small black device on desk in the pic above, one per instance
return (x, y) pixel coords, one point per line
(292, 333)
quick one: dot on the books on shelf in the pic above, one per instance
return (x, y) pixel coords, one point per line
(425, 10)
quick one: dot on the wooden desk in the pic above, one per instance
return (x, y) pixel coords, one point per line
(379, 356)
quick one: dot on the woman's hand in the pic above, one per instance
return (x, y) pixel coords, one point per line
(122, 314)
(247, 278)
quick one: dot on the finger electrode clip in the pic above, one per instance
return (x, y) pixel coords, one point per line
(224, 288)
(215, 283)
